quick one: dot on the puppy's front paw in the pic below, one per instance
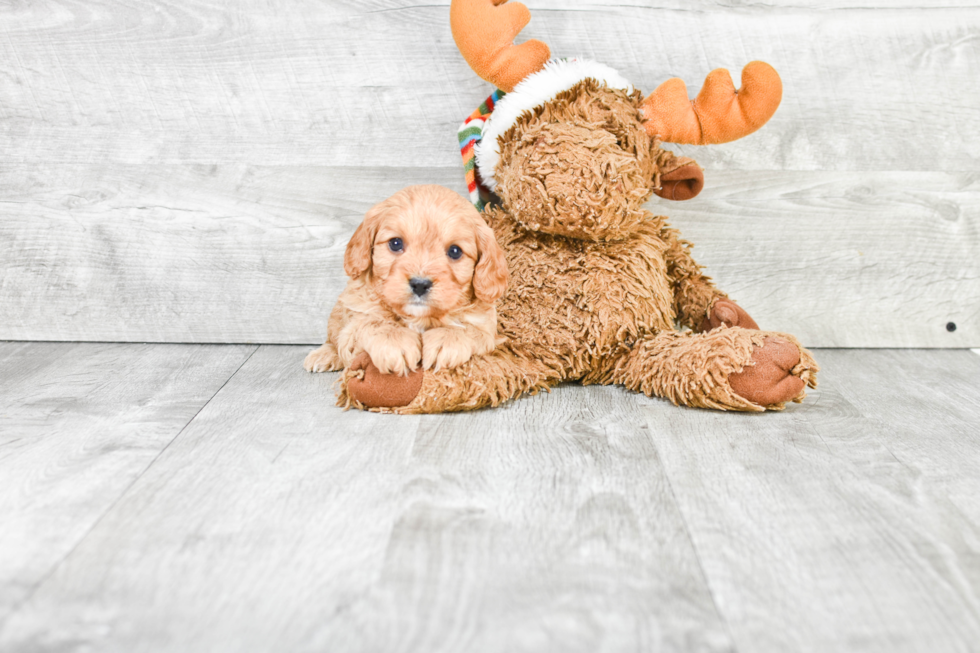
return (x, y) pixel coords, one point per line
(446, 347)
(323, 359)
(397, 351)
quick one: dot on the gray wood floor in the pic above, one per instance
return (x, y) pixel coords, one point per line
(212, 498)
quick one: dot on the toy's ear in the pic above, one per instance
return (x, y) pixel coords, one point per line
(682, 182)
(357, 257)
(490, 276)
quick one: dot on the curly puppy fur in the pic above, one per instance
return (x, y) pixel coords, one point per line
(598, 284)
(425, 272)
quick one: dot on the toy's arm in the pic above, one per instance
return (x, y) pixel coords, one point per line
(697, 303)
(694, 292)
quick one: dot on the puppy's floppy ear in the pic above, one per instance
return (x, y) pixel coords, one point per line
(357, 257)
(490, 275)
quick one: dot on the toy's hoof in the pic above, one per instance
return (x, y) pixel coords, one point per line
(768, 380)
(727, 312)
(377, 390)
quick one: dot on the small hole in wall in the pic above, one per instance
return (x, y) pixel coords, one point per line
(951, 326)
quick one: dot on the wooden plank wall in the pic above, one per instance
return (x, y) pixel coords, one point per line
(190, 171)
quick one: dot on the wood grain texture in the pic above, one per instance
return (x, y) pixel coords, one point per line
(78, 424)
(254, 253)
(278, 522)
(845, 259)
(586, 519)
(381, 84)
(864, 497)
(189, 171)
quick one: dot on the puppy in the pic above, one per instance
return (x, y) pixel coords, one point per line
(425, 271)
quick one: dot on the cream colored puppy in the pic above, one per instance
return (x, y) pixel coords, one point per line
(425, 271)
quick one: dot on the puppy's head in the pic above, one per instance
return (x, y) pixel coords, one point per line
(427, 252)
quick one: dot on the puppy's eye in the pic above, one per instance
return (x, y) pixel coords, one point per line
(454, 252)
(396, 245)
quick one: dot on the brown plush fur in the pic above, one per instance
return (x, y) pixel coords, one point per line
(598, 284)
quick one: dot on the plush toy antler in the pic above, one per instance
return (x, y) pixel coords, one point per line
(484, 31)
(720, 113)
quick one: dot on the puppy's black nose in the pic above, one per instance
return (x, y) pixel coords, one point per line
(419, 285)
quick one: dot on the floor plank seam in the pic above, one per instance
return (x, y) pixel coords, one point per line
(44, 579)
(694, 546)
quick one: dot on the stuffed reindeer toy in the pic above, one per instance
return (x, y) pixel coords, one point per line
(598, 285)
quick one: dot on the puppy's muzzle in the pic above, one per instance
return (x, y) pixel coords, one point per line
(420, 286)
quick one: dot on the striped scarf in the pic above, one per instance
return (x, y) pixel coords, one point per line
(470, 133)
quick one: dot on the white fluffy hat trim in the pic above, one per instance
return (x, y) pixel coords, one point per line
(536, 89)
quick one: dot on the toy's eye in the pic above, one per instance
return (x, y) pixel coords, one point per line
(454, 252)
(396, 245)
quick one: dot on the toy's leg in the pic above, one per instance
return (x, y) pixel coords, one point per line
(727, 369)
(486, 380)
